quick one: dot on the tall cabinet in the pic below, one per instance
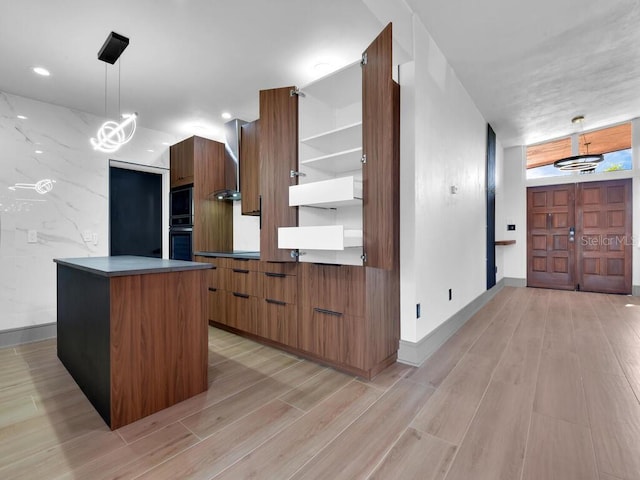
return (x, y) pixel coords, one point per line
(329, 155)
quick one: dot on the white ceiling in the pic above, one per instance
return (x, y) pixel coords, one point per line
(529, 67)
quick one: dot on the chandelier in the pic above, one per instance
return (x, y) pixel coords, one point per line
(584, 163)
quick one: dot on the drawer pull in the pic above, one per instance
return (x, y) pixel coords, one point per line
(275, 302)
(238, 270)
(327, 312)
(277, 275)
(242, 259)
(211, 289)
(240, 295)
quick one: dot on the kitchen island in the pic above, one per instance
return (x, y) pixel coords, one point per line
(132, 332)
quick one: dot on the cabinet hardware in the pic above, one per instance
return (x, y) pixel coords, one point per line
(327, 312)
(293, 174)
(363, 257)
(240, 295)
(211, 289)
(275, 302)
(278, 275)
(296, 253)
(296, 91)
(363, 159)
(364, 60)
(242, 259)
(239, 270)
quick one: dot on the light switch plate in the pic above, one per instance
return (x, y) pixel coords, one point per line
(32, 236)
(86, 235)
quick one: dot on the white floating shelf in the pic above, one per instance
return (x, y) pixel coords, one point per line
(334, 193)
(338, 140)
(331, 237)
(340, 162)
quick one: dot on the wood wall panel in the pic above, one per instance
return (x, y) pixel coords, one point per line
(250, 168)
(153, 332)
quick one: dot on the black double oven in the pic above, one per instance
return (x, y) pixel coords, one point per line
(181, 223)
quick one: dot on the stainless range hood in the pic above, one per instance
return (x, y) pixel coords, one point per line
(231, 190)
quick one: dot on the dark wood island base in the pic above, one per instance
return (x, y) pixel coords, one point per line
(133, 335)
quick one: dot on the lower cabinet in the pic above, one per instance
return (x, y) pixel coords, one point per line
(279, 322)
(241, 312)
(216, 305)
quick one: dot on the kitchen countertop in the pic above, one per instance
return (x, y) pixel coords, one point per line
(235, 254)
(128, 265)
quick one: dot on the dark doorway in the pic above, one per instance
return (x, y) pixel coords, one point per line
(491, 207)
(135, 213)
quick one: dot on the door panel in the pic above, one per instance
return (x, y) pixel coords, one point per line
(604, 249)
(550, 248)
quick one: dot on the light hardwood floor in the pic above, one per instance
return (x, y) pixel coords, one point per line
(538, 385)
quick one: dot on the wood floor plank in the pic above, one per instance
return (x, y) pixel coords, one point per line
(355, 452)
(416, 456)
(389, 376)
(617, 446)
(558, 334)
(610, 398)
(558, 450)
(559, 392)
(17, 410)
(299, 442)
(493, 448)
(213, 418)
(308, 394)
(629, 358)
(217, 452)
(449, 411)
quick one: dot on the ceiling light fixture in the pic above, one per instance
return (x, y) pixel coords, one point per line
(41, 186)
(21, 117)
(43, 72)
(226, 115)
(112, 135)
(584, 163)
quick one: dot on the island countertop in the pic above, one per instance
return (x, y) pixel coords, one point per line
(119, 266)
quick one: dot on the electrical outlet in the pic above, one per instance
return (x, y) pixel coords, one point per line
(417, 310)
(450, 294)
(32, 236)
(511, 227)
(86, 235)
(94, 238)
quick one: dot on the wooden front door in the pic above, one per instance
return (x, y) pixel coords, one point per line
(550, 245)
(579, 236)
(604, 248)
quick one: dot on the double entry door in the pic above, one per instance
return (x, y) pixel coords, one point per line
(579, 236)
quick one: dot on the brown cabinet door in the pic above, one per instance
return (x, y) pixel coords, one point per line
(241, 312)
(281, 287)
(604, 245)
(550, 245)
(279, 322)
(278, 157)
(241, 280)
(181, 163)
(216, 311)
(250, 168)
(338, 288)
(380, 128)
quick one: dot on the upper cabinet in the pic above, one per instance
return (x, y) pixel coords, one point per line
(348, 168)
(278, 159)
(250, 168)
(181, 163)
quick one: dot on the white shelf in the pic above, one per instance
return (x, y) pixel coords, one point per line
(340, 162)
(337, 140)
(333, 193)
(330, 237)
(339, 88)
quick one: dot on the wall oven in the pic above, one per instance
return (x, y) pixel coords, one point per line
(181, 224)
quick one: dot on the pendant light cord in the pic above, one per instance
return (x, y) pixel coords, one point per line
(119, 68)
(105, 91)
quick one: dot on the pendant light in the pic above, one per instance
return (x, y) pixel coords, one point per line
(112, 135)
(584, 163)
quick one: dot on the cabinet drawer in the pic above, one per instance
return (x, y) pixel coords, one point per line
(338, 288)
(288, 268)
(243, 281)
(216, 310)
(333, 336)
(243, 264)
(281, 287)
(241, 312)
(279, 322)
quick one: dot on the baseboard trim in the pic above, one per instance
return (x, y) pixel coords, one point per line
(515, 282)
(35, 333)
(415, 353)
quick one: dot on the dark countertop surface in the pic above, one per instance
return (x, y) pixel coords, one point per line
(234, 254)
(128, 265)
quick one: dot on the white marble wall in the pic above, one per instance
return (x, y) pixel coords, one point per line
(77, 203)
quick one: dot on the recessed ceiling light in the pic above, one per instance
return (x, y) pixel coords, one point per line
(38, 151)
(578, 119)
(226, 115)
(41, 71)
(150, 150)
(322, 67)
(166, 143)
(21, 117)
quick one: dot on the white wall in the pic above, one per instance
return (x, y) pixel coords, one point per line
(443, 236)
(78, 201)
(501, 224)
(246, 230)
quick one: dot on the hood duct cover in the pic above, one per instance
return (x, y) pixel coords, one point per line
(231, 161)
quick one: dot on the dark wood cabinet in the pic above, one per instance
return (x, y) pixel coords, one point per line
(181, 163)
(380, 144)
(250, 168)
(278, 157)
(338, 288)
(279, 322)
(241, 311)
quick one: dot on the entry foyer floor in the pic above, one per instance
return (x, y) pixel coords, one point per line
(539, 384)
